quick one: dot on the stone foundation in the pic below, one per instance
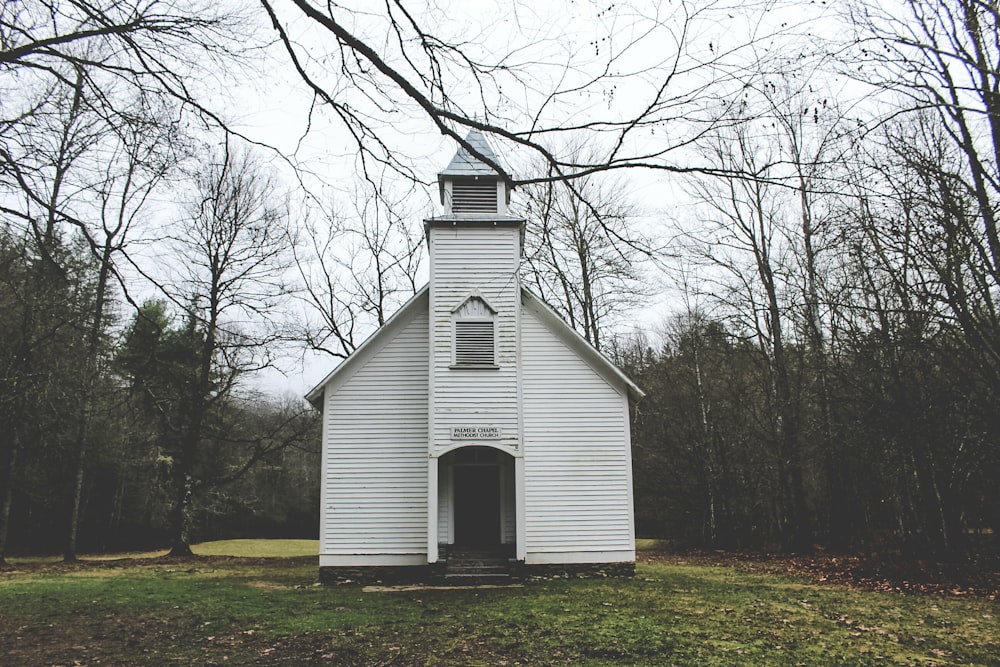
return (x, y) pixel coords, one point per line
(435, 574)
(381, 574)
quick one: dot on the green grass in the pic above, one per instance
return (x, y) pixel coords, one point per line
(258, 548)
(271, 612)
(241, 548)
(647, 543)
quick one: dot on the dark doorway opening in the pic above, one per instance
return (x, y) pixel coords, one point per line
(477, 505)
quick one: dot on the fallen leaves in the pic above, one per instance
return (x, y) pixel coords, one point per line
(887, 573)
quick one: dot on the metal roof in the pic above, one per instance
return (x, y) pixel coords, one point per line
(465, 164)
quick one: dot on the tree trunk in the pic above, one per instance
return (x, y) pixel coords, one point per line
(87, 400)
(7, 500)
(69, 555)
(180, 520)
(795, 534)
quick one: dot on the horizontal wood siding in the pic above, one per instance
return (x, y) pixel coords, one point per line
(508, 503)
(465, 261)
(375, 454)
(577, 464)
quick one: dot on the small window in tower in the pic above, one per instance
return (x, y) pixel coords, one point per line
(475, 334)
(474, 196)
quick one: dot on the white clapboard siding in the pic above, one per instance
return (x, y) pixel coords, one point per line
(577, 478)
(375, 454)
(467, 261)
(508, 502)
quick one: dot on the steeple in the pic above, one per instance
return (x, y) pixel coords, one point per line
(472, 188)
(474, 251)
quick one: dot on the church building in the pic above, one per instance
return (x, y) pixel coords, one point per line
(475, 428)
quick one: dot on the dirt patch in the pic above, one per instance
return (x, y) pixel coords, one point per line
(107, 639)
(268, 586)
(423, 587)
(880, 572)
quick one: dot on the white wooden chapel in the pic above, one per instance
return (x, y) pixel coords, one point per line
(475, 416)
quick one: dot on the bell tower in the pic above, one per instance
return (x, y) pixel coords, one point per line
(470, 188)
(474, 319)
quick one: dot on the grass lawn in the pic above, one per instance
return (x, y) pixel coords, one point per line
(240, 548)
(266, 609)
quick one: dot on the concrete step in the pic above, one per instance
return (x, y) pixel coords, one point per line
(471, 565)
(473, 570)
(478, 562)
(477, 579)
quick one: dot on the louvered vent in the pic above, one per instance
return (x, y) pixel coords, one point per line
(474, 196)
(473, 343)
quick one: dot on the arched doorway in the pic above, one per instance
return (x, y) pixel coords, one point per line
(476, 499)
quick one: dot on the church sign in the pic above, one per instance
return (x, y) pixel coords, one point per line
(475, 433)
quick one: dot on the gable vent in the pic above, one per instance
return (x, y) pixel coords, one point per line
(474, 196)
(474, 343)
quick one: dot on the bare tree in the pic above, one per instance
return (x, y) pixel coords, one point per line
(233, 285)
(940, 62)
(110, 49)
(134, 162)
(648, 79)
(359, 264)
(912, 264)
(813, 144)
(583, 253)
(46, 179)
(930, 210)
(745, 243)
(83, 86)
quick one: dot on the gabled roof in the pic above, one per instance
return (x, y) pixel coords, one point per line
(572, 338)
(466, 164)
(375, 342)
(597, 361)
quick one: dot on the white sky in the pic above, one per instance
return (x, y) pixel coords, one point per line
(558, 44)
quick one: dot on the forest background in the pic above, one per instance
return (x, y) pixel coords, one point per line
(805, 197)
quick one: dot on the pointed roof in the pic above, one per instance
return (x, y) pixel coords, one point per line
(466, 164)
(420, 302)
(584, 348)
(371, 345)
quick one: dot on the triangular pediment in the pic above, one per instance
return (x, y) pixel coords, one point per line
(474, 306)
